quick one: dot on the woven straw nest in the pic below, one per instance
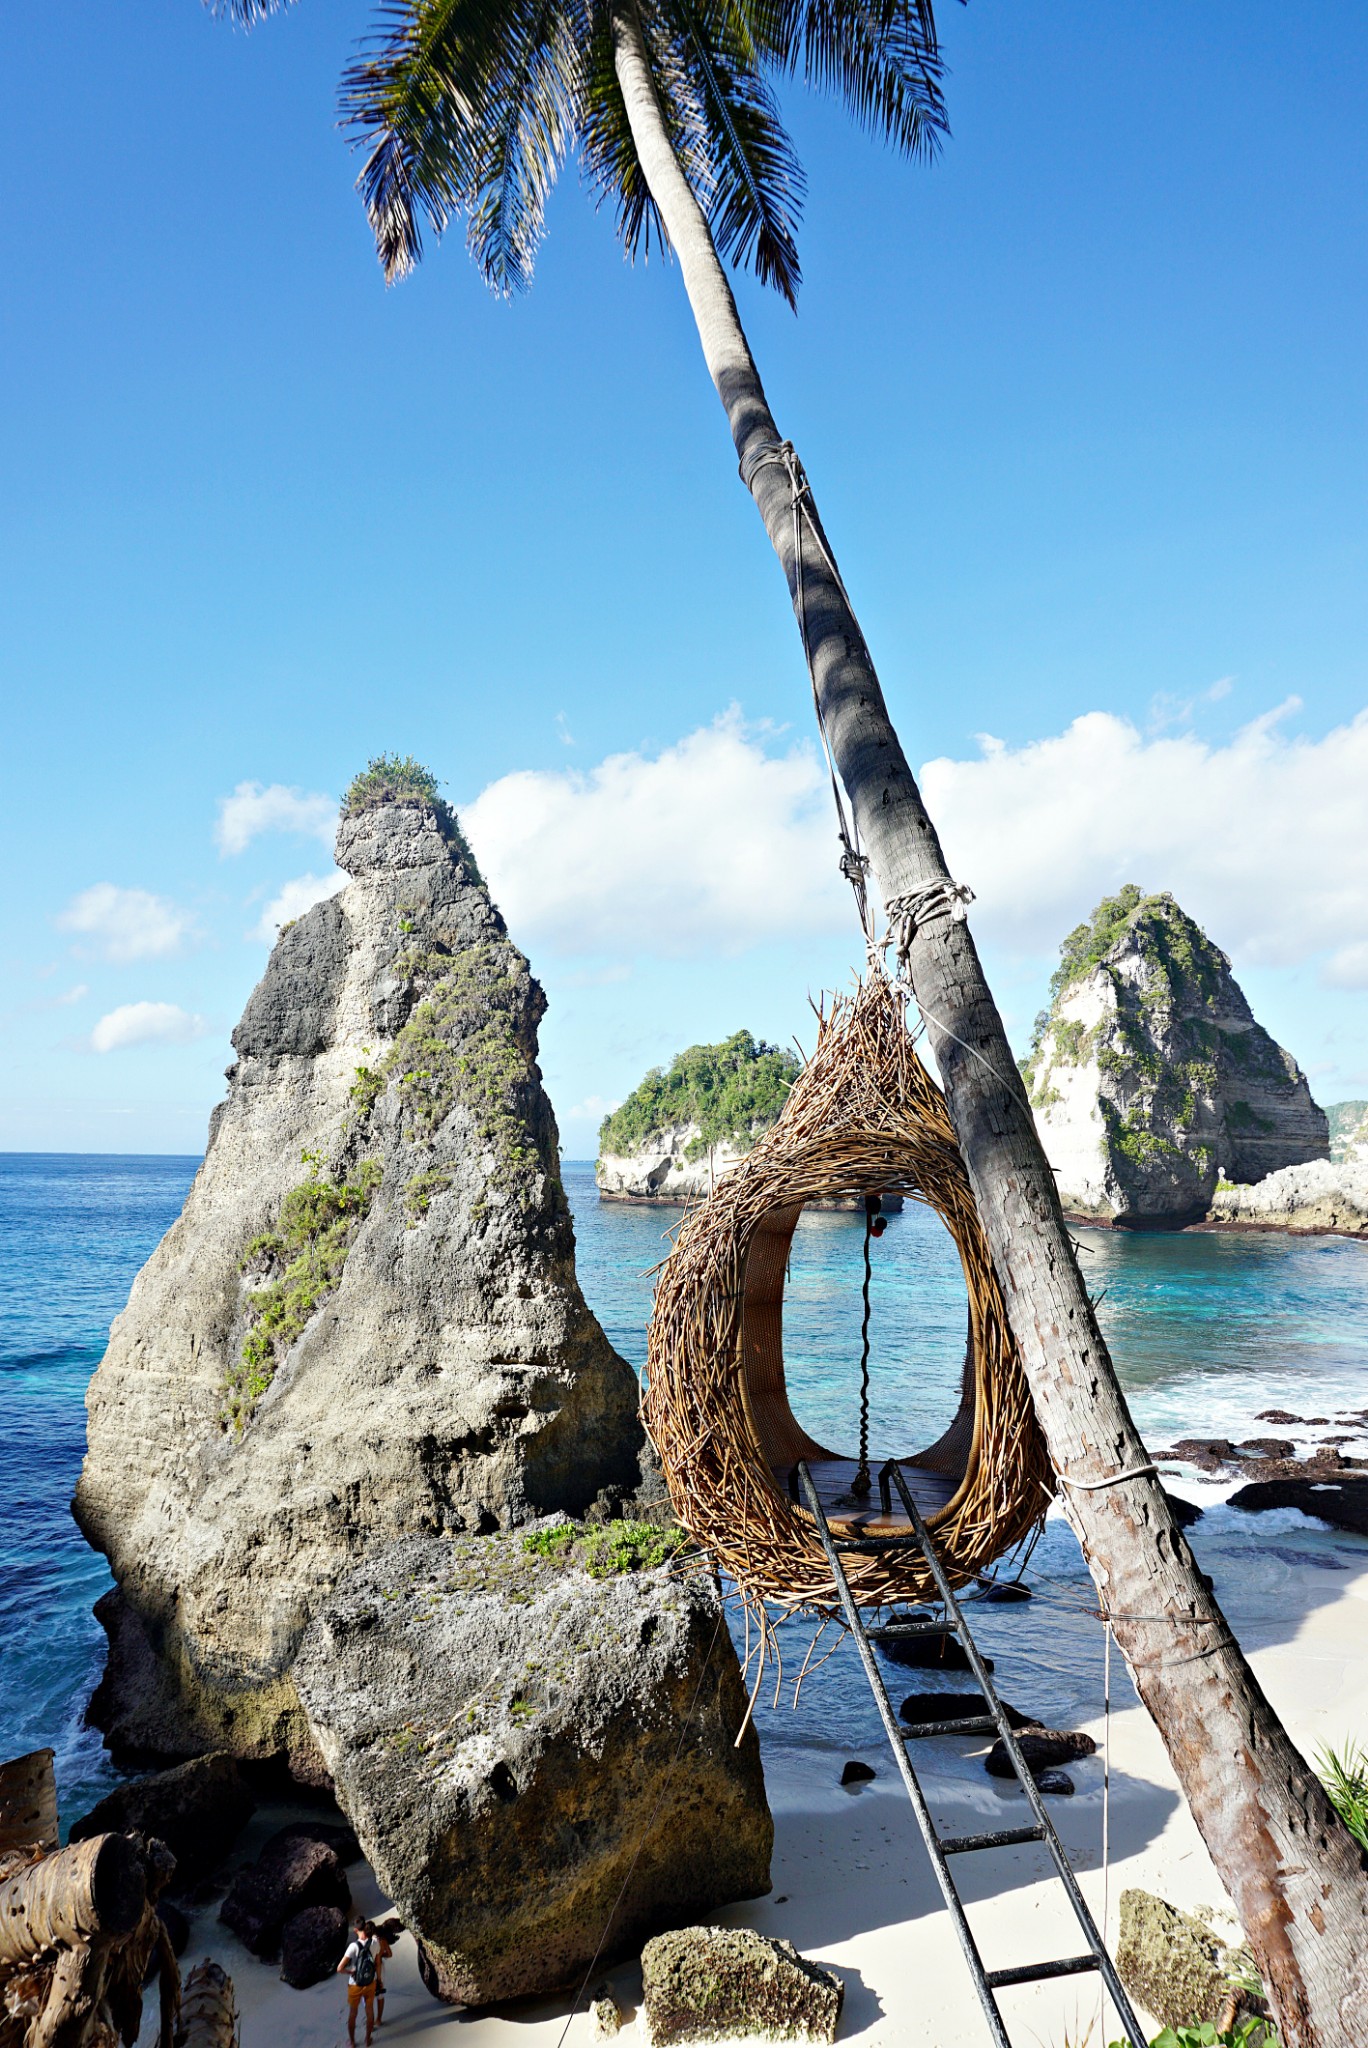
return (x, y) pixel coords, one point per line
(863, 1117)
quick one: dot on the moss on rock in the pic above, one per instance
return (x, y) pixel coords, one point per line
(700, 1983)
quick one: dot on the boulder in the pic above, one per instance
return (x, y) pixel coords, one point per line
(198, 1809)
(1341, 1502)
(365, 1323)
(1058, 1782)
(516, 1739)
(1150, 1078)
(1002, 1592)
(924, 1709)
(339, 1836)
(1184, 1512)
(607, 2018)
(264, 1895)
(1271, 1446)
(176, 1925)
(1174, 1964)
(1041, 1749)
(312, 1944)
(703, 1982)
(857, 1773)
(940, 1651)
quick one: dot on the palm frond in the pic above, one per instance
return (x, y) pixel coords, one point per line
(532, 116)
(881, 57)
(748, 177)
(413, 97)
(467, 107)
(246, 13)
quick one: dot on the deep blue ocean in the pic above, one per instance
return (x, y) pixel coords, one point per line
(1206, 1330)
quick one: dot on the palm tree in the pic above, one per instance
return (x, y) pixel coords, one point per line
(468, 108)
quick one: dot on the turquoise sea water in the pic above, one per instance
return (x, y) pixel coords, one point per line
(1206, 1330)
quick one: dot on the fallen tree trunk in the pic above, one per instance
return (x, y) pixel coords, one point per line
(94, 1891)
(28, 1804)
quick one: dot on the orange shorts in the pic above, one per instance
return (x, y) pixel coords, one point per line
(356, 1992)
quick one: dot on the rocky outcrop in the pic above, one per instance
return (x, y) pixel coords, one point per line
(684, 1125)
(516, 1739)
(710, 1983)
(1151, 1080)
(1323, 1196)
(1343, 1503)
(366, 1322)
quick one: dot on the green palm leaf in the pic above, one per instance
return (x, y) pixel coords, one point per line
(881, 57)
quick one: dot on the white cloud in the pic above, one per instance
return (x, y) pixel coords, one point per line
(713, 844)
(128, 924)
(73, 995)
(146, 1024)
(293, 900)
(257, 807)
(1262, 839)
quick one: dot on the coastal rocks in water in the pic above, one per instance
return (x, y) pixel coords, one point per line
(939, 1651)
(703, 1983)
(311, 1945)
(198, 1809)
(1042, 1749)
(503, 1728)
(857, 1773)
(925, 1709)
(366, 1322)
(1150, 1078)
(1318, 1197)
(1174, 1964)
(292, 1873)
(1341, 1502)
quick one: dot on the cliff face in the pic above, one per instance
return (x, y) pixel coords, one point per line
(682, 1126)
(1151, 1080)
(365, 1324)
(1328, 1196)
(1349, 1132)
(673, 1165)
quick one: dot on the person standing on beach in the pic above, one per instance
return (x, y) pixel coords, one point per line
(365, 1953)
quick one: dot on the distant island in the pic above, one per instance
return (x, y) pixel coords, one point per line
(685, 1124)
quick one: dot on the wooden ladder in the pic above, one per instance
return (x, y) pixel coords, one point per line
(942, 1848)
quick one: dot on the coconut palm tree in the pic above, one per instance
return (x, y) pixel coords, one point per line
(467, 109)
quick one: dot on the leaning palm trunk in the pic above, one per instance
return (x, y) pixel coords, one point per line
(1292, 1869)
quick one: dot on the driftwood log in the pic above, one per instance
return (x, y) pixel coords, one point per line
(208, 2012)
(80, 1935)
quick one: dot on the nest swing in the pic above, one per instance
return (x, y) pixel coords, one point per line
(863, 1118)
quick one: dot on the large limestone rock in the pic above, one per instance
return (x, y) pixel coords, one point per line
(1150, 1078)
(671, 1165)
(508, 1733)
(1175, 1964)
(366, 1322)
(1323, 1196)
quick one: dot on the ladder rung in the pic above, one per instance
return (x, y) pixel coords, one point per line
(978, 1724)
(876, 1543)
(1030, 1973)
(903, 1631)
(1005, 1838)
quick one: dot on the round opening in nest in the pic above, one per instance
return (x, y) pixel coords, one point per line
(863, 1118)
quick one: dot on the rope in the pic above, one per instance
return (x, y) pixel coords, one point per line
(1106, 1802)
(1112, 1478)
(641, 1838)
(860, 1484)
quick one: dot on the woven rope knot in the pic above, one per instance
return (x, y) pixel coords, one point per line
(854, 864)
(918, 907)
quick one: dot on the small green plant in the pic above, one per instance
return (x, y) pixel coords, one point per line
(305, 1254)
(1345, 1778)
(551, 1543)
(629, 1547)
(1249, 2032)
(730, 1091)
(420, 1190)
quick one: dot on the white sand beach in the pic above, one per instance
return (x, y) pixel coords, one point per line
(853, 1889)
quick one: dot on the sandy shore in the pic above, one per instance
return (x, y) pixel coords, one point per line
(853, 1888)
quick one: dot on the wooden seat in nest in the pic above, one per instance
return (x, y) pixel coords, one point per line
(863, 1117)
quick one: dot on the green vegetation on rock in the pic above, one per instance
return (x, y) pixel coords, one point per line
(399, 779)
(459, 1045)
(1092, 940)
(732, 1091)
(1344, 1119)
(303, 1256)
(608, 1551)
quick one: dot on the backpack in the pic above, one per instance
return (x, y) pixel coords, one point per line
(363, 1969)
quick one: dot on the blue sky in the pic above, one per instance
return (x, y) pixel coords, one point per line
(1084, 405)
